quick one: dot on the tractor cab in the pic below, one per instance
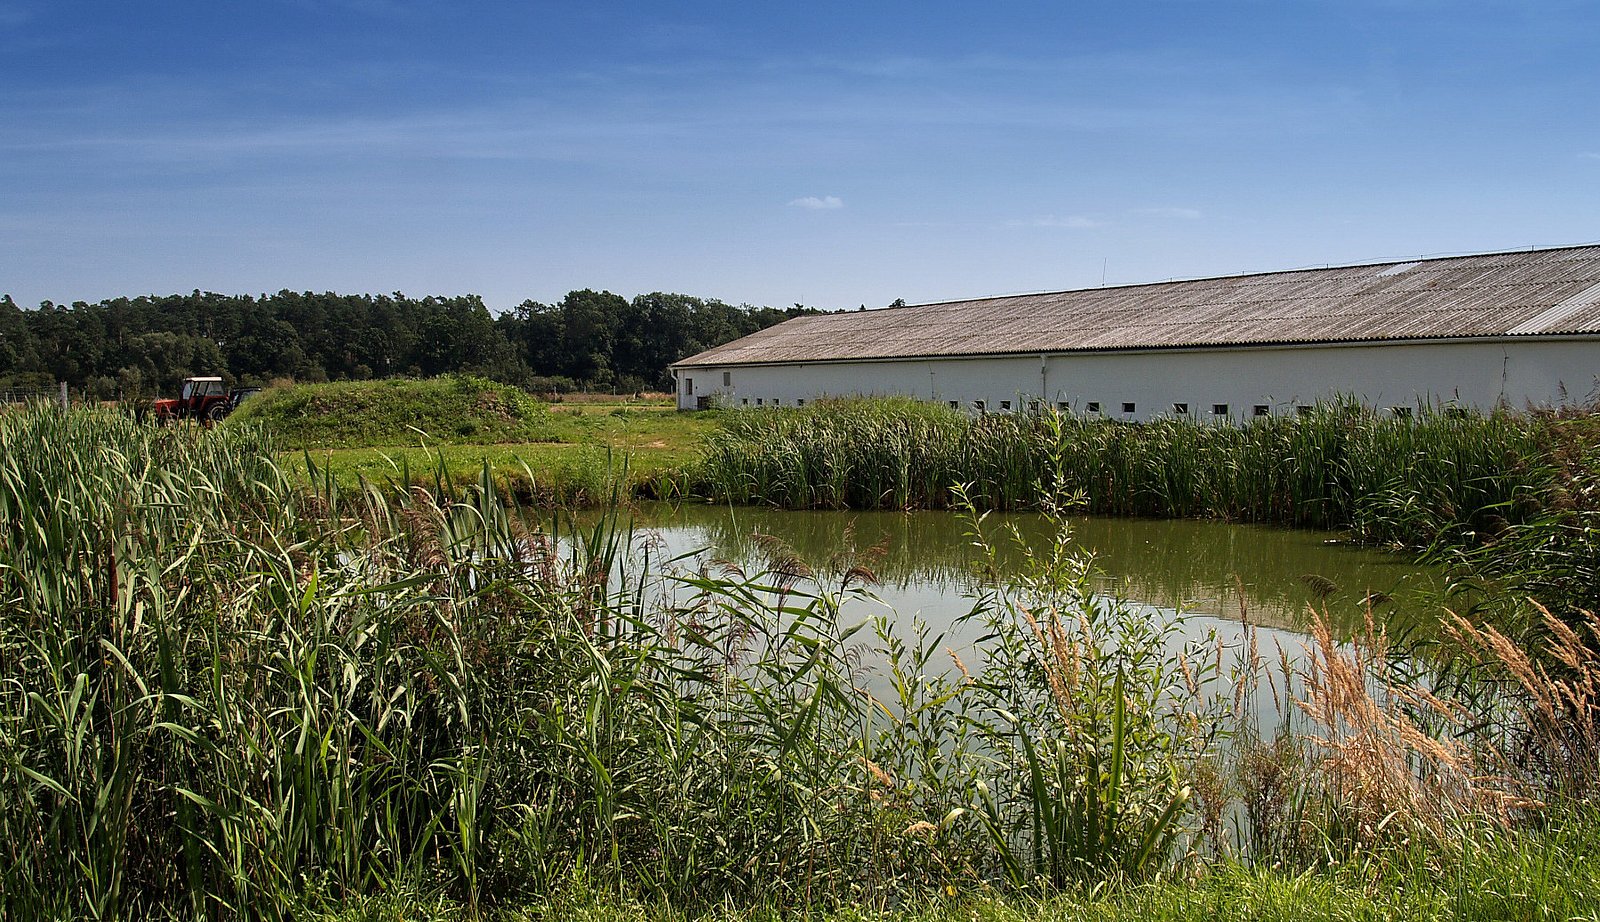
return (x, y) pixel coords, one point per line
(198, 398)
(200, 388)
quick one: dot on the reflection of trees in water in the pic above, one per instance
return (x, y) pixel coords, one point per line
(1201, 567)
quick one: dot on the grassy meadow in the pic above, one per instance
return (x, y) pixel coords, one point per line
(234, 691)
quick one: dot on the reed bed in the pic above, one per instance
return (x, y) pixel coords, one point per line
(223, 694)
(1389, 479)
(1507, 502)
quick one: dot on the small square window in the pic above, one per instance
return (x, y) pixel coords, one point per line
(1401, 412)
(1061, 405)
(744, 401)
(688, 386)
(1093, 406)
(1181, 409)
(776, 402)
(727, 378)
(1005, 404)
(1034, 406)
(955, 404)
(1455, 412)
(801, 402)
(1219, 409)
(979, 405)
(1127, 408)
(1260, 409)
(758, 401)
(1302, 409)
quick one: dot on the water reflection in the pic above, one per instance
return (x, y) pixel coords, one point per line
(926, 561)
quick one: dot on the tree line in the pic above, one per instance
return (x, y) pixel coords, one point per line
(136, 347)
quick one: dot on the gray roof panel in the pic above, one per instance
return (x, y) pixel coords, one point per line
(1531, 292)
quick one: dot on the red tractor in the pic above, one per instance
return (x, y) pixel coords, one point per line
(203, 399)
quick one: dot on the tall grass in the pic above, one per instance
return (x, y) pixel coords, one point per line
(1390, 479)
(222, 691)
(223, 695)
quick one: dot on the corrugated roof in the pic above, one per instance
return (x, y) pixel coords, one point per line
(1525, 293)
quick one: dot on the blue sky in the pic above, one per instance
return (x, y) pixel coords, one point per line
(832, 154)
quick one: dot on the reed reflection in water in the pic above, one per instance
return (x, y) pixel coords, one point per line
(926, 562)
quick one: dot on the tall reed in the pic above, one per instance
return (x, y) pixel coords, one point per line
(1406, 480)
(223, 694)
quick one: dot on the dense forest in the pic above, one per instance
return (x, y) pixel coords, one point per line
(135, 347)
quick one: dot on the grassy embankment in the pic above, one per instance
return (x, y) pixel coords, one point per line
(228, 695)
(1545, 877)
(448, 429)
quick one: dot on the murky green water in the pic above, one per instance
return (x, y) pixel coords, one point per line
(1213, 573)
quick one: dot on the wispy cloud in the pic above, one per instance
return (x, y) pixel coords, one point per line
(1072, 221)
(1589, 155)
(818, 203)
(1185, 214)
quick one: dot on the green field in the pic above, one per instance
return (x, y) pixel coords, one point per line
(592, 446)
(427, 433)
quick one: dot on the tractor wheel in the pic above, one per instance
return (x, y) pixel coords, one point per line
(215, 414)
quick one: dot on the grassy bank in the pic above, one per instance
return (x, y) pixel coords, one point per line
(1547, 876)
(452, 410)
(226, 694)
(446, 430)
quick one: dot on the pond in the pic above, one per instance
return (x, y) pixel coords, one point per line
(1215, 575)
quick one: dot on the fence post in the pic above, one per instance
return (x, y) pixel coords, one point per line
(63, 395)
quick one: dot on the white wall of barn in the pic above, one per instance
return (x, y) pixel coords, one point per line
(1483, 374)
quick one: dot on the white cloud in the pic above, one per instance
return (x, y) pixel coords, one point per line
(1073, 221)
(818, 203)
(1186, 214)
(1589, 155)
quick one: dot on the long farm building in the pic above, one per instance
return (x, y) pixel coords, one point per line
(1518, 329)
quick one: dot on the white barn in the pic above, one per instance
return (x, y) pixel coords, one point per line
(1513, 329)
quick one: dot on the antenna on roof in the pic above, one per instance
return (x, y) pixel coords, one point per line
(1103, 271)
